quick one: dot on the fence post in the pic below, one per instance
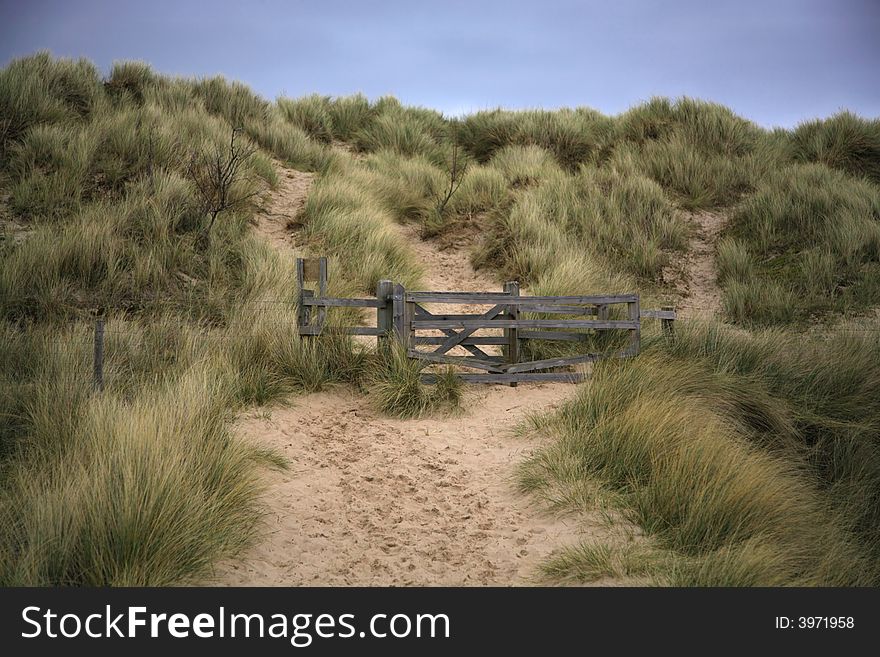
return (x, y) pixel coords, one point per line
(384, 315)
(398, 314)
(512, 288)
(635, 334)
(668, 324)
(99, 354)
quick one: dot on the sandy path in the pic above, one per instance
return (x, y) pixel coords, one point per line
(376, 501)
(282, 205)
(701, 294)
(371, 500)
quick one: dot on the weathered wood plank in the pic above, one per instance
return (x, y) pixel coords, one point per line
(667, 323)
(635, 337)
(464, 361)
(548, 363)
(467, 342)
(323, 276)
(304, 312)
(345, 303)
(665, 313)
(568, 377)
(427, 314)
(555, 335)
(300, 274)
(498, 297)
(362, 330)
(483, 322)
(311, 268)
(559, 310)
(409, 313)
(384, 320)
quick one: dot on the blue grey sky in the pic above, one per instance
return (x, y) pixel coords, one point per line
(776, 62)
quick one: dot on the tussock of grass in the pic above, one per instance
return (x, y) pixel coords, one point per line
(844, 141)
(524, 165)
(149, 492)
(395, 385)
(409, 131)
(311, 114)
(572, 136)
(625, 222)
(349, 114)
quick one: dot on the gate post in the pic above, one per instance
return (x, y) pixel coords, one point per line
(398, 312)
(384, 315)
(512, 288)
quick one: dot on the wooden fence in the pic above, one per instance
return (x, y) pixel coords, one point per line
(429, 336)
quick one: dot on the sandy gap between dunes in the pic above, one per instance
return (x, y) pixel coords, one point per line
(370, 500)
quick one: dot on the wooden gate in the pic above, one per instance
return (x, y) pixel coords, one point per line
(584, 315)
(490, 340)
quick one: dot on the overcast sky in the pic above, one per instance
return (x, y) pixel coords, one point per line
(775, 61)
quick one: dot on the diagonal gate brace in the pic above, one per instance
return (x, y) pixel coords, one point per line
(455, 339)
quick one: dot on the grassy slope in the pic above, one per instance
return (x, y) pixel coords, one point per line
(743, 464)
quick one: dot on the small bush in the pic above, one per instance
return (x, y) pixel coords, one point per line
(572, 136)
(408, 187)
(483, 189)
(348, 220)
(695, 179)
(41, 91)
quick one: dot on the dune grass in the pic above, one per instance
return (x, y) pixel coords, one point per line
(806, 243)
(844, 141)
(713, 449)
(394, 384)
(143, 484)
